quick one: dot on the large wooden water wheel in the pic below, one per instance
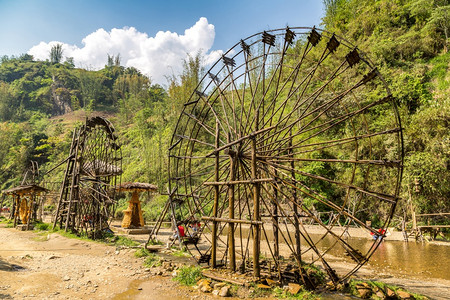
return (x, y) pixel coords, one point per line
(87, 196)
(288, 124)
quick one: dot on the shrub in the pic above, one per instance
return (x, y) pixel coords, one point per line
(188, 275)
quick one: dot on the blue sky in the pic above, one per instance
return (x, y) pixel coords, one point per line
(24, 24)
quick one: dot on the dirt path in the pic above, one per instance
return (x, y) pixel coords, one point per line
(55, 267)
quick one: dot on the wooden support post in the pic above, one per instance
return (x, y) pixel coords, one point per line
(17, 211)
(216, 203)
(296, 203)
(30, 211)
(256, 213)
(298, 250)
(276, 243)
(231, 244)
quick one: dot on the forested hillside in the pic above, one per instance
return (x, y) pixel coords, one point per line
(41, 101)
(408, 40)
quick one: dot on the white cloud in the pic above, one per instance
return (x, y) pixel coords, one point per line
(154, 56)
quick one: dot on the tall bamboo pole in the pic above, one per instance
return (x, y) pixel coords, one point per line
(256, 213)
(216, 203)
(276, 251)
(231, 244)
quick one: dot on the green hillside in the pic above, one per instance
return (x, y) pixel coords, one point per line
(41, 101)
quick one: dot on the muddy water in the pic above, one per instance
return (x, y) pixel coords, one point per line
(410, 259)
(422, 260)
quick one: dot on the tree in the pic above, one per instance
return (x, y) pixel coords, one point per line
(440, 17)
(56, 54)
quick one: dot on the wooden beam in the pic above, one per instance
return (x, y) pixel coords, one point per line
(227, 220)
(233, 182)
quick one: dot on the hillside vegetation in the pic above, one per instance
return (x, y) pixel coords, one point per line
(41, 101)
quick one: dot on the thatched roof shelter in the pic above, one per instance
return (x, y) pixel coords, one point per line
(137, 186)
(25, 190)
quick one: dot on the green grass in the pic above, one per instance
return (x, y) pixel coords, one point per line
(39, 226)
(141, 252)
(109, 239)
(152, 260)
(155, 242)
(188, 275)
(180, 253)
(7, 222)
(381, 285)
(119, 240)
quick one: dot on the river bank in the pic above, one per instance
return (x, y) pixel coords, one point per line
(55, 267)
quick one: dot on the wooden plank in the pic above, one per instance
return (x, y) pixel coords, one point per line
(227, 220)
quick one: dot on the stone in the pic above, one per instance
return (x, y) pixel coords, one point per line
(294, 288)
(66, 278)
(52, 257)
(206, 289)
(263, 286)
(378, 292)
(270, 282)
(215, 292)
(380, 295)
(404, 295)
(364, 290)
(224, 291)
(389, 293)
(219, 285)
(203, 282)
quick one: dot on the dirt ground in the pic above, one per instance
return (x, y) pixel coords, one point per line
(55, 267)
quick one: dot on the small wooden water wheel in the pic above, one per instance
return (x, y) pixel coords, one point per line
(287, 123)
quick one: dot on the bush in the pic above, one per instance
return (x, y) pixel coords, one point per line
(41, 226)
(188, 275)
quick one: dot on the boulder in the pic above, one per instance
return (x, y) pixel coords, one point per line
(205, 285)
(219, 285)
(363, 290)
(389, 293)
(224, 291)
(294, 288)
(404, 295)
(206, 289)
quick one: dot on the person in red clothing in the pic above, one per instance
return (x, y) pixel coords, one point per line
(381, 232)
(181, 230)
(175, 233)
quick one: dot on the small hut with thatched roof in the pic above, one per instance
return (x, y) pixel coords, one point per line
(24, 202)
(132, 216)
